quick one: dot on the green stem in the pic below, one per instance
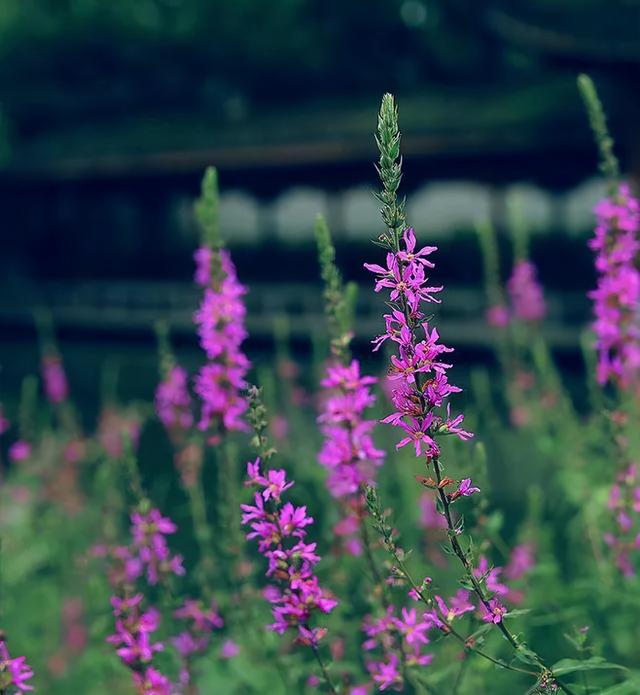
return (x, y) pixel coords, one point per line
(457, 549)
(323, 668)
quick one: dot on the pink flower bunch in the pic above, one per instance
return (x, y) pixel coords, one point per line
(150, 547)
(430, 519)
(14, 672)
(148, 555)
(624, 503)
(56, 387)
(418, 370)
(133, 637)
(443, 614)
(220, 320)
(498, 316)
(201, 622)
(348, 451)
(495, 577)
(173, 403)
(617, 294)
(525, 292)
(19, 451)
(195, 639)
(396, 639)
(280, 531)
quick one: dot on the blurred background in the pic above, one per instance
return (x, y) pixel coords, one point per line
(111, 110)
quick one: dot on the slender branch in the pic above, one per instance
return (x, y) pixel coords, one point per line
(457, 549)
(323, 668)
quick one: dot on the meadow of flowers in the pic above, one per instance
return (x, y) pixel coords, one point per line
(347, 526)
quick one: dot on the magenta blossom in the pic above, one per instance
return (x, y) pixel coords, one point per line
(56, 387)
(498, 316)
(229, 649)
(173, 403)
(280, 531)
(19, 451)
(616, 297)
(348, 452)
(494, 613)
(418, 373)
(526, 293)
(13, 671)
(220, 320)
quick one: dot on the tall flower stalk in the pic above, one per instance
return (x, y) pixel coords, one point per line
(220, 383)
(279, 528)
(419, 371)
(348, 451)
(616, 244)
(220, 321)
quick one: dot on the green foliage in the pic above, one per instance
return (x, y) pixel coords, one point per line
(390, 169)
(207, 210)
(598, 120)
(339, 300)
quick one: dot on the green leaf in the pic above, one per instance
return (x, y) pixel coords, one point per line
(565, 666)
(630, 687)
(517, 613)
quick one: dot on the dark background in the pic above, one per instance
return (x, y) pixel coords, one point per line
(111, 110)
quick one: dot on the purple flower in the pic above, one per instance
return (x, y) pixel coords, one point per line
(526, 293)
(466, 489)
(16, 669)
(617, 294)
(521, 562)
(56, 387)
(494, 613)
(152, 682)
(386, 673)
(498, 316)
(458, 605)
(418, 374)
(348, 452)
(19, 451)
(220, 320)
(229, 649)
(173, 403)
(280, 532)
(411, 628)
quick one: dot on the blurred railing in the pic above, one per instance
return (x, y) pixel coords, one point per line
(128, 307)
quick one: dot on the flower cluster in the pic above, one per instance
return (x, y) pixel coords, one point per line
(418, 370)
(135, 643)
(348, 451)
(195, 638)
(498, 316)
(173, 403)
(14, 672)
(499, 580)
(617, 294)
(147, 557)
(220, 321)
(395, 640)
(56, 387)
(151, 552)
(403, 639)
(624, 502)
(280, 531)
(525, 293)
(19, 451)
